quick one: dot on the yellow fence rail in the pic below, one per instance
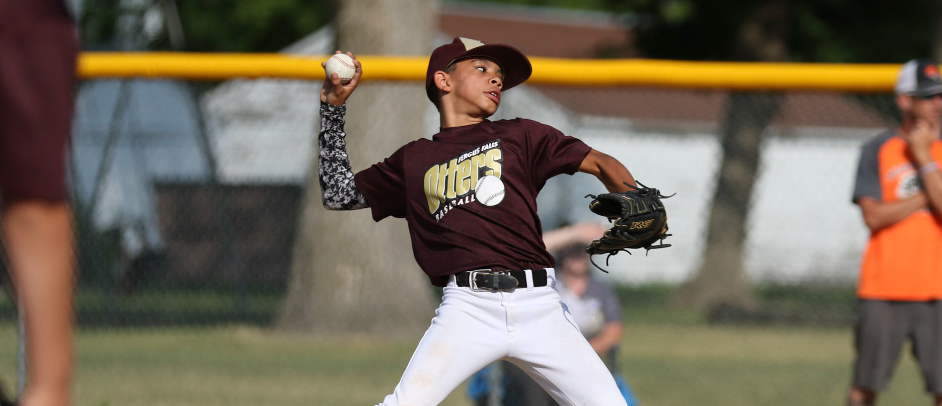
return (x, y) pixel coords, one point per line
(759, 76)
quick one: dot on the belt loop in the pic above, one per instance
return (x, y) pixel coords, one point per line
(529, 274)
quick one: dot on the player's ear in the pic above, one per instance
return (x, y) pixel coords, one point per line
(442, 81)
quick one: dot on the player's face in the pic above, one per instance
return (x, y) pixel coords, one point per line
(926, 108)
(476, 86)
(576, 265)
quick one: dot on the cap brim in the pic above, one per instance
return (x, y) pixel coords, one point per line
(929, 91)
(513, 63)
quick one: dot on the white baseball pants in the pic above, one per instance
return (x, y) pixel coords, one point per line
(529, 327)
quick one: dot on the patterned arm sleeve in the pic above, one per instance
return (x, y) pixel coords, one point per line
(333, 165)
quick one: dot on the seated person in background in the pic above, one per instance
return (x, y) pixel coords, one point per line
(593, 304)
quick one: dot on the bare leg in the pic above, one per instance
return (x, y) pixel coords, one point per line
(39, 241)
(861, 397)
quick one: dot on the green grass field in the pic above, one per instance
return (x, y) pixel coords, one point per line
(681, 362)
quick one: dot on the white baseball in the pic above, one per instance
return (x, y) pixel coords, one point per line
(489, 190)
(342, 65)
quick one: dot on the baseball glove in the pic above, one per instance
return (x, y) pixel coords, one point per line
(639, 221)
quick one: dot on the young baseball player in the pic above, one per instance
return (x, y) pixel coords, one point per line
(468, 195)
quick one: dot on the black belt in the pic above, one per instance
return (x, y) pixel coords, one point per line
(494, 279)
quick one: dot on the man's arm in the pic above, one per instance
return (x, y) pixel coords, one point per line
(612, 173)
(608, 338)
(878, 215)
(920, 140)
(610, 334)
(338, 190)
(932, 181)
(580, 233)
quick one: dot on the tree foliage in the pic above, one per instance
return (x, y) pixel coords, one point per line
(210, 25)
(865, 31)
(845, 31)
(243, 26)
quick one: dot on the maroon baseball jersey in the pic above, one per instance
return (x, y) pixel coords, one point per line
(431, 183)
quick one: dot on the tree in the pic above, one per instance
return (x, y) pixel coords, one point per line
(349, 274)
(768, 30)
(722, 278)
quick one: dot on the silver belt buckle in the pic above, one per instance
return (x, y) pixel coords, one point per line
(474, 285)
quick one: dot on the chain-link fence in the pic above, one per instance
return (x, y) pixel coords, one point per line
(182, 187)
(188, 198)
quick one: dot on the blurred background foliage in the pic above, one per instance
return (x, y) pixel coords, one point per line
(209, 25)
(865, 31)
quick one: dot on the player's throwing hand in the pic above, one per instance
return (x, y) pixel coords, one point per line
(334, 91)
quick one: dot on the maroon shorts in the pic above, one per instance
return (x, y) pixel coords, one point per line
(38, 49)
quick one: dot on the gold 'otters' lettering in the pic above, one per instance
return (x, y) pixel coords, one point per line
(450, 173)
(463, 185)
(493, 159)
(477, 162)
(434, 186)
(458, 177)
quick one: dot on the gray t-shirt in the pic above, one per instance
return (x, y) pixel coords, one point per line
(867, 182)
(598, 306)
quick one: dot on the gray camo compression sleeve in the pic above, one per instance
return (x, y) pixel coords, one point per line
(333, 165)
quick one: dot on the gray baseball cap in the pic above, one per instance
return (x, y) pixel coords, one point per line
(919, 77)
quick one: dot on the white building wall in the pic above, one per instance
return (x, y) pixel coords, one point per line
(802, 225)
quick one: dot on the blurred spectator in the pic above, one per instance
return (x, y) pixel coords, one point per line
(899, 191)
(594, 307)
(38, 49)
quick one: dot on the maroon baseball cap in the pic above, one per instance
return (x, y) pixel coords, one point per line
(514, 63)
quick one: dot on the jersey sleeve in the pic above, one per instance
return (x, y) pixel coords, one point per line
(551, 152)
(383, 185)
(867, 181)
